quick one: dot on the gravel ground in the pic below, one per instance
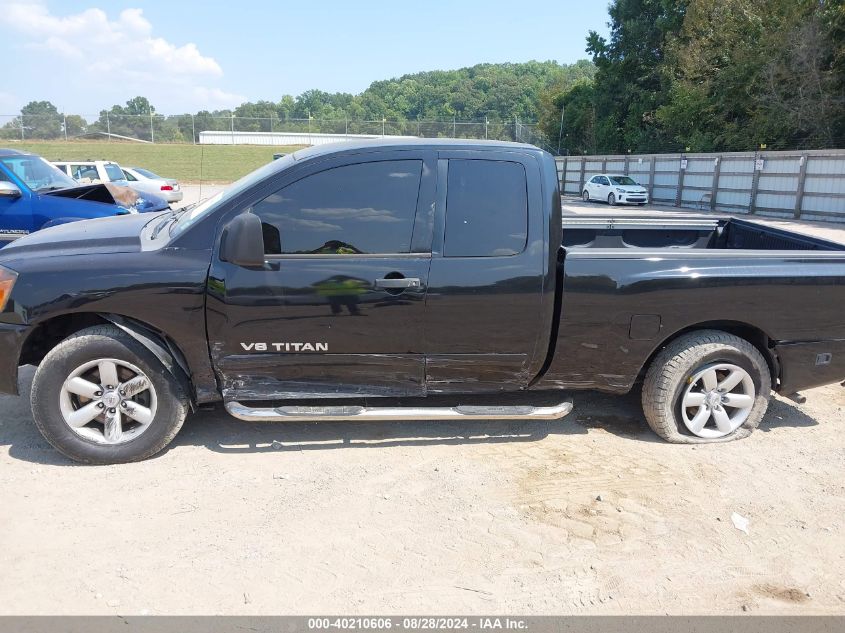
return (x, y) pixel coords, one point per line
(587, 515)
(591, 514)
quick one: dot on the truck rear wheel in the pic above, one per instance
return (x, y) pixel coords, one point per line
(706, 386)
(100, 397)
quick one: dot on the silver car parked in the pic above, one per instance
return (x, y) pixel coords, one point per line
(144, 180)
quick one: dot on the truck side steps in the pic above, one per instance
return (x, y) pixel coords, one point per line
(371, 414)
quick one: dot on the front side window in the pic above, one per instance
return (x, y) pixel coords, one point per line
(367, 208)
(486, 209)
(622, 180)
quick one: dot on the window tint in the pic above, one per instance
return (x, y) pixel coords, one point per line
(129, 176)
(486, 209)
(604, 181)
(363, 208)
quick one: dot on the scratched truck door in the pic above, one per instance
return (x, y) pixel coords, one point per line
(338, 309)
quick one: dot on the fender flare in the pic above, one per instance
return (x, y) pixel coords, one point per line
(167, 353)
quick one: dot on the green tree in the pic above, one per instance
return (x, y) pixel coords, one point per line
(630, 80)
(41, 120)
(750, 72)
(575, 131)
(75, 125)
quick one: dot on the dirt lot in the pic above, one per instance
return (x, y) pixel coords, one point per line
(432, 518)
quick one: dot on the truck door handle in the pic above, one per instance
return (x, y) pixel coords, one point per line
(393, 284)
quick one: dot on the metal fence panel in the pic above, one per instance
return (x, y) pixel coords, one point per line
(807, 184)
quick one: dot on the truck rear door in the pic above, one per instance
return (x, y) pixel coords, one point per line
(484, 319)
(337, 310)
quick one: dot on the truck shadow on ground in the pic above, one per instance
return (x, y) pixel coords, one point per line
(219, 432)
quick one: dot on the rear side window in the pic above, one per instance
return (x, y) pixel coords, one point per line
(486, 209)
(355, 209)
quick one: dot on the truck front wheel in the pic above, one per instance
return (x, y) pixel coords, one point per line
(706, 386)
(100, 397)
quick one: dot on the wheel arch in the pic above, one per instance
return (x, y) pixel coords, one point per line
(751, 333)
(50, 332)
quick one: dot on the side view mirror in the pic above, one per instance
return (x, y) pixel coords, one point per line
(9, 190)
(242, 242)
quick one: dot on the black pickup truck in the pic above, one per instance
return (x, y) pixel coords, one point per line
(409, 281)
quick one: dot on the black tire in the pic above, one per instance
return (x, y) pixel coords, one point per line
(99, 342)
(585, 196)
(670, 370)
(611, 200)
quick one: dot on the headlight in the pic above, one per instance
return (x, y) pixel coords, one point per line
(7, 282)
(618, 190)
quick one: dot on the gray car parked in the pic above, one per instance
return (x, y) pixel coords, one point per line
(144, 180)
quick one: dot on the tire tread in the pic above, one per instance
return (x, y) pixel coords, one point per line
(675, 361)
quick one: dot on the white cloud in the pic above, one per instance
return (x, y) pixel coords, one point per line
(216, 99)
(120, 44)
(123, 50)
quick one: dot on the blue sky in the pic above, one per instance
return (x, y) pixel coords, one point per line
(185, 56)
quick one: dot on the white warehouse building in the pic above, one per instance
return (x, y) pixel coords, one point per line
(283, 138)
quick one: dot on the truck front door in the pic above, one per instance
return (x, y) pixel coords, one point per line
(15, 211)
(337, 310)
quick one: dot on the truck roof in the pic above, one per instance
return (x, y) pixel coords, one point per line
(4, 151)
(428, 143)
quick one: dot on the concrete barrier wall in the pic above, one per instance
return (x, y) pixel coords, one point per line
(802, 184)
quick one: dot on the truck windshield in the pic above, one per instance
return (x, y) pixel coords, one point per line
(192, 215)
(622, 180)
(37, 174)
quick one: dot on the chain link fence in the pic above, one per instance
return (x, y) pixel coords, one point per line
(186, 128)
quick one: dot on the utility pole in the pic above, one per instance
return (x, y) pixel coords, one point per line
(64, 119)
(560, 132)
(383, 121)
(193, 131)
(486, 123)
(233, 128)
(108, 126)
(152, 131)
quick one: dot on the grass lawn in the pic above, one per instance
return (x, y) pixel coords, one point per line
(187, 163)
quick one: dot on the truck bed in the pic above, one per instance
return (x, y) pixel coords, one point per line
(685, 233)
(629, 285)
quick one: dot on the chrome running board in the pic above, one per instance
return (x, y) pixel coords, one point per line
(408, 414)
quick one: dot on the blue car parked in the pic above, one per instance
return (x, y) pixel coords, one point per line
(35, 195)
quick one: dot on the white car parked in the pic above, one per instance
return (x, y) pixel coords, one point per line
(92, 172)
(614, 189)
(144, 180)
